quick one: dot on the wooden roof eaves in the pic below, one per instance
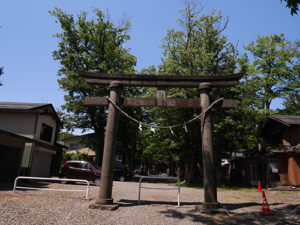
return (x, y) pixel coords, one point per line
(269, 118)
(279, 121)
(25, 139)
(42, 106)
(28, 140)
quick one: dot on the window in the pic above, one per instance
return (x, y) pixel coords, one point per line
(86, 166)
(46, 132)
(74, 146)
(274, 166)
(75, 165)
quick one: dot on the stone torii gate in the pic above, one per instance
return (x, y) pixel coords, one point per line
(117, 81)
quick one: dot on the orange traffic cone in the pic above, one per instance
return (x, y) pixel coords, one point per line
(265, 206)
(259, 186)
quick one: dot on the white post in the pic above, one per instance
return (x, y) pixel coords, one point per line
(178, 191)
(51, 189)
(139, 197)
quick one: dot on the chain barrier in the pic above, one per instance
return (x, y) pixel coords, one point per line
(152, 127)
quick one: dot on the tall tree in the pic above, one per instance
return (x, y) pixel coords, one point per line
(199, 48)
(1, 72)
(273, 68)
(292, 97)
(90, 45)
(293, 5)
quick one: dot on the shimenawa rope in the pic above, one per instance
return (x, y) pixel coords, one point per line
(164, 127)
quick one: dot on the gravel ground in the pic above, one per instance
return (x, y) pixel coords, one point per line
(157, 206)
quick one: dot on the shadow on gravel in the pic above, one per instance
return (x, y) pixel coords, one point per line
(233, 206)
(152, 180)
(43, 197)
(10, 186)
(228, 206)
(128, 203)
(194, 215)
(33, 184)
(6, 186)
(285, 215)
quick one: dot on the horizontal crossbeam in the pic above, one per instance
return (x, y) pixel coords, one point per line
(143, 80)
(157, 102)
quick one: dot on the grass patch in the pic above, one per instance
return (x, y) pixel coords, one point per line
(182, 184)
(237, 188)
(287, 192)
(236, 197)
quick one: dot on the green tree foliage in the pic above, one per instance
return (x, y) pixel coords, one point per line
(63, 134)
(90, 45)
(75, 156)
(292, 97)
(199, 48)
(274, 70)
(293, 5)
(127, 136)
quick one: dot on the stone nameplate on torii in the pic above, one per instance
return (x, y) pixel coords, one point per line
(202, 83)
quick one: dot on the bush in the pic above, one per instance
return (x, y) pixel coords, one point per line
(75, 156)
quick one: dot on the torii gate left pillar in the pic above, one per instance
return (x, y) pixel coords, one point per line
(105, 195)
(209, 175)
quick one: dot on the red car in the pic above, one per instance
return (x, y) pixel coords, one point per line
(81, 170)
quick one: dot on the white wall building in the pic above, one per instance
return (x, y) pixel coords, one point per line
(28, 138)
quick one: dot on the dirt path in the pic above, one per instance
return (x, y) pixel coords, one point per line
(157, 207)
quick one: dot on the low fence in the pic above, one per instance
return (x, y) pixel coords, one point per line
(159, 177)
(52, 189)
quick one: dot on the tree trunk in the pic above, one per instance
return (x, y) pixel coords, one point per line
(268, 103)
(199, 167)
(99, 135)
(187, 175)
(178, 171)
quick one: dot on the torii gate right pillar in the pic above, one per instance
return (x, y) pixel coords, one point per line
(209, 177)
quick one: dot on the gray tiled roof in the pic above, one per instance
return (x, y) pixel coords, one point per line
(24, 107)
(21, 105)
(286, 119)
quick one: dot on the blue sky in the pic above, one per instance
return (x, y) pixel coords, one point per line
(26, 41)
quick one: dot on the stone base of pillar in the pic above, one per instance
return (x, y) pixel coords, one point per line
(211, 208)
(103, 201)
(110, 207)
(206, 205)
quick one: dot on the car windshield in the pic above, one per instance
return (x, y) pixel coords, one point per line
(95, 165)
